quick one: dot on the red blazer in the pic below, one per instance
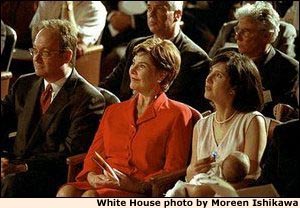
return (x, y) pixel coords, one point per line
(159, 141)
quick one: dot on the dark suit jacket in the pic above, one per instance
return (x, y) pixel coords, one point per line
(109, 42)
(284, 42)
(279, 73)
(189, 85)
(66, 128)
(282, 160)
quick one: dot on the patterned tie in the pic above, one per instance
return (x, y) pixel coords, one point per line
(46, 98)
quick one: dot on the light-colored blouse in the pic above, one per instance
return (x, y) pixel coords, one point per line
(234, 139)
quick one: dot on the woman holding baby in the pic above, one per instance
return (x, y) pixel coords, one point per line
(234, 87)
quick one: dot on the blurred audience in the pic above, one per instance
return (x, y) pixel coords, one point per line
(164, 19)
(88, 16)
(3, 35)
(159, 137)
(126, 20)
(54, 111)
(18, 15)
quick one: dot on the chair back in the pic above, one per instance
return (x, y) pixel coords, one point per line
(5, 78)
(196, 115)
(271, 124)
(109, 97)
(10, 42)
(89, 64)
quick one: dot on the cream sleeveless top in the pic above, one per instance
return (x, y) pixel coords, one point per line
(234, 139)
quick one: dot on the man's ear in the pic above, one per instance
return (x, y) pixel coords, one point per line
(267, 37)
(177, 15)
(68, 55)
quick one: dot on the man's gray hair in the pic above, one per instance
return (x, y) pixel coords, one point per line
(263, 13)
(175, 5)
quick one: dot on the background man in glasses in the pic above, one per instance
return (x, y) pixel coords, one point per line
(257, 29)
(54, 111)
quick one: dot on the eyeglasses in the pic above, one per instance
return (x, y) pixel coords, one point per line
(44, 53)
(246, 33)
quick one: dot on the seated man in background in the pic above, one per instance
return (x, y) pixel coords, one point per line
(257, 28)
(126, 20)
(164, 19)
(285, 40)
(88, 16)
(54, 111)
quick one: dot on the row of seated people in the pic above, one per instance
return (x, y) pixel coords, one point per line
(182, 85)
(123, 24)
(278, 71)
(56, 114)
(201, 22)
(254, 34)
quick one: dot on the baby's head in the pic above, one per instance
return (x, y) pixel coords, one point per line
(235, 167)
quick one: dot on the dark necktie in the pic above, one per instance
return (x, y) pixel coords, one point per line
(46, 98)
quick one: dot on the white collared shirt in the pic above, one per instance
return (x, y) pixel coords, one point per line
(56, 86)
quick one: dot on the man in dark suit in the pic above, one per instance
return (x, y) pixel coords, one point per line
(54, 111)
(257, 28)
(164, 19)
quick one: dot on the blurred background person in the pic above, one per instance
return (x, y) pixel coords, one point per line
(126, 20)
(89, 17)
(164, 20)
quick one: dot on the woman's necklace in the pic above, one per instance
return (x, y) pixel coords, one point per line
(226, 120)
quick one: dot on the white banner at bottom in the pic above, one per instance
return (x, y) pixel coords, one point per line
(148, 202)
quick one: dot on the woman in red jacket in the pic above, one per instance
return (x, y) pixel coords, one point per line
(147, 135)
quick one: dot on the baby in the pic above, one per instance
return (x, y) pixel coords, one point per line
(234, 168)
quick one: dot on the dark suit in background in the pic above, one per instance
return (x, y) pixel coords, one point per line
(282, 160)
(279, 73)
(44, 141)
(189, 85)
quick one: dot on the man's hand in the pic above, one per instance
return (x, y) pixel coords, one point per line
(80, 50)
(120, 21)
(283, 112)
